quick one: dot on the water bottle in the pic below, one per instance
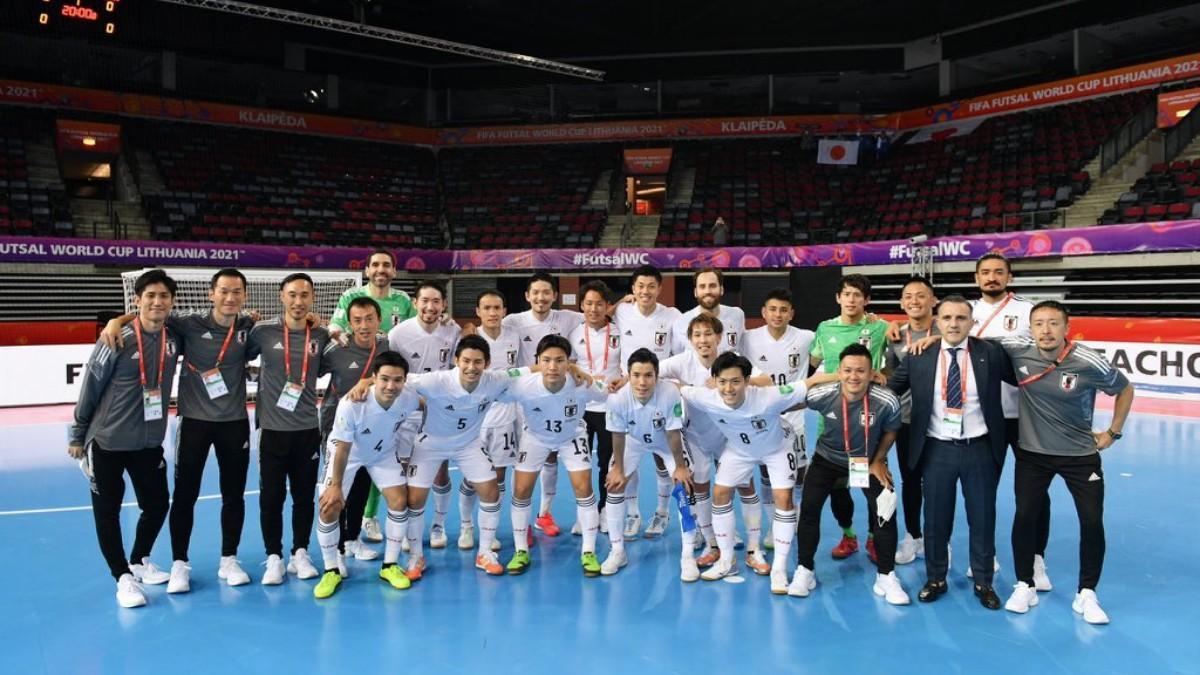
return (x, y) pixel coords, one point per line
(684, 501)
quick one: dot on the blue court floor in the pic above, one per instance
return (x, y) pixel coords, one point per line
(61, 616)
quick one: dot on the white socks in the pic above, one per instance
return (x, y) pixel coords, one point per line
(549, 479)
(327, 536)
(783, 530)
(466, 504)
(416, 528)
(441, 504)
(665, 485)
(631, 495)
(520, 523)
(752, 516)
(722, 520)
(395, 530)
(704, 516)
(614, 515)
(489, 521)
(589, 521)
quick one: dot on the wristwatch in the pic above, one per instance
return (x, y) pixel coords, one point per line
(1116, 435)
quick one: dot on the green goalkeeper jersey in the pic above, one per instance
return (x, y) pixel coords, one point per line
(396, 307)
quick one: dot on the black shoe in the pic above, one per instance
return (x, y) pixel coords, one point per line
(932, 591)
(987, 596)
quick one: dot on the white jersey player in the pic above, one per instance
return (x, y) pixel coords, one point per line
(709, 287)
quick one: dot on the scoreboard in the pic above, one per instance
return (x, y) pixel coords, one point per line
(80, 17)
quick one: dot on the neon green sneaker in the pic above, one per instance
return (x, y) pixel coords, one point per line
(591, 565)
(520, 563)
(328, 585)
(394, 575)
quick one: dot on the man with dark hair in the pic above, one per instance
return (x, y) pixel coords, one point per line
(1059, 380)
(290, 442)
(709, 288)
(120, 422)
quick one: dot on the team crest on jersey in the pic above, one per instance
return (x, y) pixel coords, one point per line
(865, 340)
(660, 339)
(614, 341)
(483, 405)
(313, 347)
(793, 361)
(866, 420)
(660, 423)
(731, 339)
(758, 423)
(170, 347)
(241, 337)
(1068, 381)
(1010, 323)
(443, 354)
(570, 410)
(512, 357)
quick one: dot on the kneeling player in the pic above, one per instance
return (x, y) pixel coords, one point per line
(364, 435)
(644, 416)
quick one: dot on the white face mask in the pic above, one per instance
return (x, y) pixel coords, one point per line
(885, 505)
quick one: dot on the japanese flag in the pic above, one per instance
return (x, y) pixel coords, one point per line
(837, 152)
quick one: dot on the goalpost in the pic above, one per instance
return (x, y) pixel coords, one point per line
(262, 292)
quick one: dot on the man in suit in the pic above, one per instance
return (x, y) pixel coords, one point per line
(956, 434)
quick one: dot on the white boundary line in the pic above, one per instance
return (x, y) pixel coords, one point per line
(69, 509)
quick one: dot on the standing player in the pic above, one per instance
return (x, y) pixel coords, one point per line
(709, 289)
(552, 406)
(364, 436)
(852, 448)
(120, 422)
(540, 320)
(395, 306)
(289, 447)
(645, 415)
(427, 343)
(647, 324)
(852, 326)
(1059, 380)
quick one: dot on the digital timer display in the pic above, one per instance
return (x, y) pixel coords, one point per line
(88, 17)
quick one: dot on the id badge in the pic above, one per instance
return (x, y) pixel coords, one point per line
(214, 384)
(860, 472)
(953, 419)
(152, 404)
(290, 396)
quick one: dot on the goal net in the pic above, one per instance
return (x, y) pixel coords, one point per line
(262, 292)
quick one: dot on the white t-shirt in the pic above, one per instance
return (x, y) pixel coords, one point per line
(531, 331)
(733, 329)
(599, 353)
(1001, 321)
(454, 416)
(785, 359)
(646, 424)
(369, 429)
(754, 428)
(552, 419)
(653, 332)
(425, 351)
(505, 352)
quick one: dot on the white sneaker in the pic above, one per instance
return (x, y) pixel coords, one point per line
(301, 565)
(888, 587)
(1022, 599)
(1087, 604)
(577, 529)
(613, 563)
(371, 531)
(148, 573)
(906, 552)
(722, 568)
(803, 581)
(181, 577)
(1041, 580)
(129, 593)
(231, 571)
(658, 525)
(466, 537)
(919, 545)
(361, 551)
(688, 571)
(275, 571)
(437, 537)
(779, 581)
(995, 568)
(496, 546)
(633, 524)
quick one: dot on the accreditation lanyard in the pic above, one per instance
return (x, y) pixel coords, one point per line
(366, 371)
(860, 474)
(152, 400)
(214, 383)
(953, 417)
(995, 312)
(290, 396)
(587, 341)
(1062, 356)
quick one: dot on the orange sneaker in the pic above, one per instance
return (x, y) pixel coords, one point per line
(756, 562)
(709, 557)
(416, 568)
(488, 562)
(545, 523)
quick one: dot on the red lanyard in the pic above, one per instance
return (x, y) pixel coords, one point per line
(366, 371)
(162, 353)
(1057, 362)
(962, 380)
(287, 354)
(587, 341)
(224, 347)
(866, 401)
(979, 333)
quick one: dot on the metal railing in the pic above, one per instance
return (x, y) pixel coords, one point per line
(1179, 136)
(1134, 130)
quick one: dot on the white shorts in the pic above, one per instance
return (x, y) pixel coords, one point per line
(635, 453)
(500, 444)
(471, 460)
(407, 436)
(737, 468)
(575, 455)
(700, 460)
(386, 469)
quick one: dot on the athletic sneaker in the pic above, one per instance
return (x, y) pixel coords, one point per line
(328, 584)
(721, 569)
(1022, 598)
(496, 546)
(779, 581)
(231, 571)
(919, 544)
(577, 529)
(688, 571)
(361, 551)
(301, 565)
(613, 563)
(887, 586)
(466, 537)
(1088, 605)
(633, 524)
(545, 523)
(488, 562)
(756, 562)
(395, 576)
(658, 525)
(803, 581)
(1041, 580)
(906, 552)
(371, 531)
(995, 568)
(181, 577)
(590, 563)
(708, 556)
(275, 571)
(437, 536)
(847, 547)
(129, 593)
(519, 564)
(416, 568)
(149, 573)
